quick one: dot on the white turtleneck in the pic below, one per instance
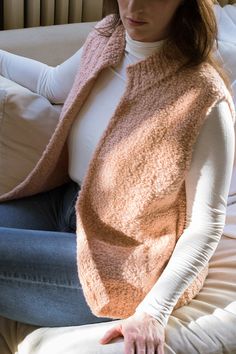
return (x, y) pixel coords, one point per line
(207, 182)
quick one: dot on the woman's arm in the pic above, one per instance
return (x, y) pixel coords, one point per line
(207, 187)
(54, 83)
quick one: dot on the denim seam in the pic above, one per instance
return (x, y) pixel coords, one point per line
(22, 280)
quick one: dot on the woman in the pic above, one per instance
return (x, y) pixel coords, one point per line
(147, 77)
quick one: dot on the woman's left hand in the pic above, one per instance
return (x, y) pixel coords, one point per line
(142, 333)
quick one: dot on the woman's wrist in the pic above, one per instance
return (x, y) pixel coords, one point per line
(157, 317)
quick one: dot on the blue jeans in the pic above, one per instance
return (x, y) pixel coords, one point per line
(39, 284)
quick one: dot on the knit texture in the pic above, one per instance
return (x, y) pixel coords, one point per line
(131, 208)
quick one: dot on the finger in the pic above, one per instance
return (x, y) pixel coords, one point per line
(111, 334)
(129, 346)
(140, 347)
(151, 348)
(160, 349)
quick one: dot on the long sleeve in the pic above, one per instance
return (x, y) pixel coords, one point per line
(54, 83)
(207, 187)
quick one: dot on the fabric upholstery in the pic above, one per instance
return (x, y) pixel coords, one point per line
(44, 43)
(27, 121)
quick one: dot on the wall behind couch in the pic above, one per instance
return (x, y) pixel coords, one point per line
(23, 13)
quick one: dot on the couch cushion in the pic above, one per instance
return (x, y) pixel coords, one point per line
(226, 20)
(49, 44)
(27, 121)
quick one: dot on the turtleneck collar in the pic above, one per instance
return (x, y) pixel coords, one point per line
(139, 49)
(155, 66)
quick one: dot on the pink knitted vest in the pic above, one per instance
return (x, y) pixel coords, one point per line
(132, 206)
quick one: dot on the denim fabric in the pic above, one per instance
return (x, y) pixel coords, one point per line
(39, 284)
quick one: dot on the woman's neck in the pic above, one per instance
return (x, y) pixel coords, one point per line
(139, 49)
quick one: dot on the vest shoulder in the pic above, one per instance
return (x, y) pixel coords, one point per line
(104, 25)
(209, 82)
(205, 75)
(99, 35)
(106, 21)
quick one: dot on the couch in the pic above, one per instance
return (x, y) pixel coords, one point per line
(207, 325)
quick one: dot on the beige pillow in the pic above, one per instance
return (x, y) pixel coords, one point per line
(27, 121)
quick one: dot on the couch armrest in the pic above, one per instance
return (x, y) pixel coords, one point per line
(49, 44)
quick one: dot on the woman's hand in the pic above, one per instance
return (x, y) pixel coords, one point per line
(142, 333)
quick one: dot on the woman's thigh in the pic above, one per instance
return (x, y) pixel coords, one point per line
(39, 283)
(48, 211)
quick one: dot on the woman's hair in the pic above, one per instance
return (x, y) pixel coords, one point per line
(193, 30)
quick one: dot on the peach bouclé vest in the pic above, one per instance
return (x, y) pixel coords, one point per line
(131, 209)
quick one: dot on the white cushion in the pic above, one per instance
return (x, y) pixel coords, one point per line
(27, 121)
(226, 20)
(227, 55)
(207, 325)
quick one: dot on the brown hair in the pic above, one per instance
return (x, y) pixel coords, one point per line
(193, 30)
